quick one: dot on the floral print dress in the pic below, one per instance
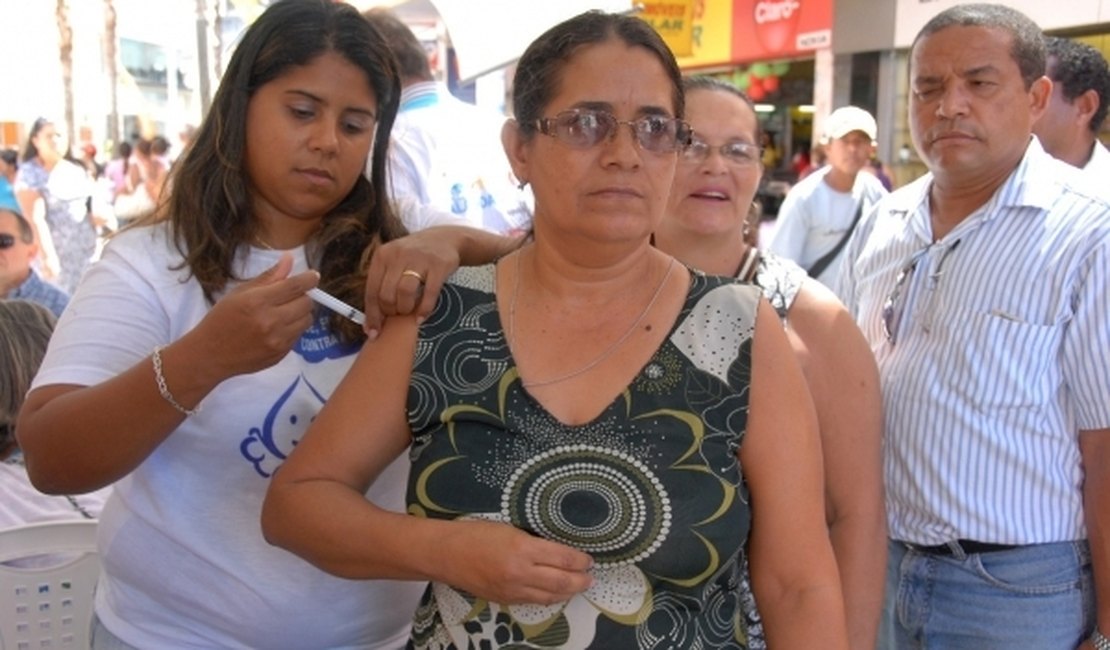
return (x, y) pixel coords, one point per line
(65, 191)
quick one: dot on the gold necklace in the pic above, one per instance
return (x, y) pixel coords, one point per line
(605, 354)
(257, 239)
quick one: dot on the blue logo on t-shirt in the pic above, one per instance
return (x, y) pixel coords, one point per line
(458, 199)
(318, 343)
(267, 447)
(487, 198)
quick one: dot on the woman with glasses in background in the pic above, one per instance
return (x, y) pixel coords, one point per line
(585, 417)
(55, 195)
(706, 226)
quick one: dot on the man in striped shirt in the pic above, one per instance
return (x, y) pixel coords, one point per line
(984, 291)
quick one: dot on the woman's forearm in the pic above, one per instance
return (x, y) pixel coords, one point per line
(808, 616)
(482, 247)
(859, 543)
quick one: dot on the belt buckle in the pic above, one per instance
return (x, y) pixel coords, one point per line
(924, 549)
(960, 548)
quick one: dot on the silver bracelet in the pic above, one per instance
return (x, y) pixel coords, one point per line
(1099, 641)
(160, 379)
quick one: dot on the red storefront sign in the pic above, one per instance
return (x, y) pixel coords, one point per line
(779, 29)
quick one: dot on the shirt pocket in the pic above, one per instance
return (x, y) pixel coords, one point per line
(1009, 360)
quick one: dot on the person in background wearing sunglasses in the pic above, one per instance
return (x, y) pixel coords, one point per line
(705, 227)
(983, 289)
(18, 249)
(585, 418)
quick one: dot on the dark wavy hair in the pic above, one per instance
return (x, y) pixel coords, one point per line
(538, 72)
(31, 152)
(1077, 67)
(1027, 50)
(25, 329)
(209, 203)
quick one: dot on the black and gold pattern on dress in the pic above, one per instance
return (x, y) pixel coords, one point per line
(662, 374)
(608, 504)
(651, 488)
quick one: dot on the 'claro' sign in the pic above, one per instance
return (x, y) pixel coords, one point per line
(780, 28)
(745, 31)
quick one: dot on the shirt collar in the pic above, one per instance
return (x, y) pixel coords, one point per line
(419, 95)
(1099, 157)
(27, 287)
(1026, 186)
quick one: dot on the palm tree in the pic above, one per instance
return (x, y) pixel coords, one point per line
(111, 62)
(209, 49)
(65, 51)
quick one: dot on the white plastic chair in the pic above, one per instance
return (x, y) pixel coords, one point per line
(48, 606)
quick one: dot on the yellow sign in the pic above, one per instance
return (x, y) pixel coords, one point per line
(712, 42)
(674, 20)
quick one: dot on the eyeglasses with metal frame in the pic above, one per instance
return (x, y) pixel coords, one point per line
(737, 152)
(584, 128)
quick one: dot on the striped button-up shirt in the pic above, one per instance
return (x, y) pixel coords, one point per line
(1000, 356)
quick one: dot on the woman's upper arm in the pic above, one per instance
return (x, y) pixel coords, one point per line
(26, 197)
(114, 320)
(844, 384)
(112, 323)
(781, 456)
(363, 426)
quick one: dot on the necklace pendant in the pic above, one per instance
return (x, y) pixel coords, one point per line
(606, 353)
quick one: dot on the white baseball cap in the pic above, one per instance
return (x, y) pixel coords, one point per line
(846, 119)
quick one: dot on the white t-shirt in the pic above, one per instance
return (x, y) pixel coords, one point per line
(22, 504)
(447, 154)
(418, 217)
(185, 564)
(814, 217)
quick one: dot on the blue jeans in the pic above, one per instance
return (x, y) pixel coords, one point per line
(1039, 597)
